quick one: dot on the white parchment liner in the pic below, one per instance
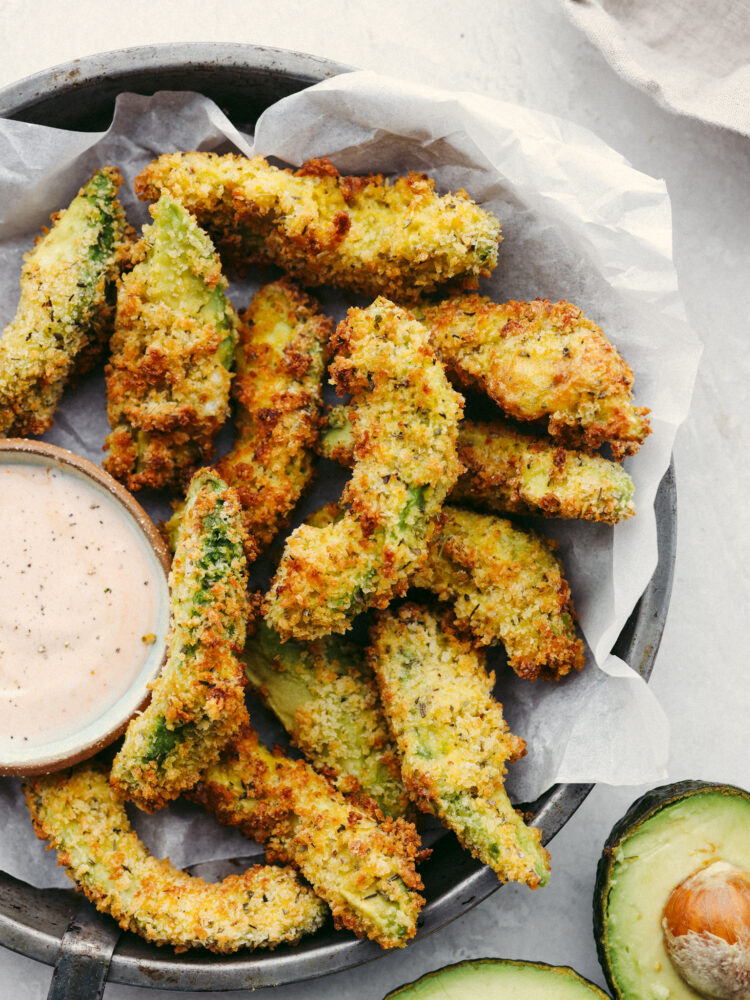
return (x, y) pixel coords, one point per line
(578, 223)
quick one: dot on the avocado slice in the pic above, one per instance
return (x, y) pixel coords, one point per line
(666, 835)
(500, 979)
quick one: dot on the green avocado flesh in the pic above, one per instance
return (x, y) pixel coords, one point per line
(500, 979)
(666, 836)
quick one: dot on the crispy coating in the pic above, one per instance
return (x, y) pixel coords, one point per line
(326, 698)
(374, 236)
(518, 473)
(453, 739)
(64, 316)
(277, 388)
(405, 417)
(505, 585)
(169, 375)
(542, 361)
(511, 472)
(198, 701)
(83, 819)
(361, 864)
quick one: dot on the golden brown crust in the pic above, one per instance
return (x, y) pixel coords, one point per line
(168, 378)
(362, 864)
(64, 315)
(405, 417)
(374, 236)
(453, 739)
(542, 361)
(505, 585)
(198, 700)
(277, 388)
(82, 818)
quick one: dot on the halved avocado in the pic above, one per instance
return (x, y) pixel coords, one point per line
(500, 979)
(666, 835)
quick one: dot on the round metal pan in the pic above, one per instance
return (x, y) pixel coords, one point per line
(244, 80)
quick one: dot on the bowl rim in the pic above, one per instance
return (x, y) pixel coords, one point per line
(62, 456)
(135, 963)
(88, 71)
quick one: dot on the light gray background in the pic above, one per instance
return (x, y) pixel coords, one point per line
(528, 52)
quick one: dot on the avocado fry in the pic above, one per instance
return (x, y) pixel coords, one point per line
(84, 820)
(505, 585)
(513, 472)
(169, 375)
(326, 698)
(542, 361)
(64, 316)
(405, 418)
(361, 864)
(198, 701)
(453, 739)
(277, 388)
(373, 236)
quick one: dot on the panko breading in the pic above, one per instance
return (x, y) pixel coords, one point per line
(505, 585)
(326, 698)
(198, 701)
(516, 473)
(64, 315)
(173, 347)
(374, 236)
(83, 819)
(277, 388)
(405, 417)
(361, 864)
(453, 739)
(542, 361)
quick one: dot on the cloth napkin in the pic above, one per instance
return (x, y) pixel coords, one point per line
(692, 57)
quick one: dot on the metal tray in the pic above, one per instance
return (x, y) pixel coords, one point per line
(53, 925)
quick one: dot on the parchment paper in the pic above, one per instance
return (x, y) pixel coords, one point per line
(578, 223)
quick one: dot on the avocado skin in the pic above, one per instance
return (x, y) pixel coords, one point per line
(644, 808)
(588, 989)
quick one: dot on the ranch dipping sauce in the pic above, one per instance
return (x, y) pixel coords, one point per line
(83, 604)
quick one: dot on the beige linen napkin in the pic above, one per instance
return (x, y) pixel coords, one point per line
(692, 56)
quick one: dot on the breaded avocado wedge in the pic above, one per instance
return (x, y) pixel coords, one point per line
(169, 374)
(361, 864)
(453, 739)
(64, 317)
(374, 236)
(198, 701)
(505, 585)
(326, 698)
(405, 417)
(512, 472)
(542, 361)
(85, 821)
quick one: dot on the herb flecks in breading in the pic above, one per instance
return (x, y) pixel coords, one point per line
(405, 418)
(326, 698)
(542, 361)
(198, 700)
(173, 347)
(505, 585)
(373, 236)
(64, 316)
(453, 740)
(361, 864)
(277, 389)
(85, 821)
(513, 472)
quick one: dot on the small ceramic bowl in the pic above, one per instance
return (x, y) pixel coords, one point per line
(92, 736)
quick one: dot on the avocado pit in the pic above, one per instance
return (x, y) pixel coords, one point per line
(706, 926)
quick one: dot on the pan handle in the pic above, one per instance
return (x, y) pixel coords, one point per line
(85, 952)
